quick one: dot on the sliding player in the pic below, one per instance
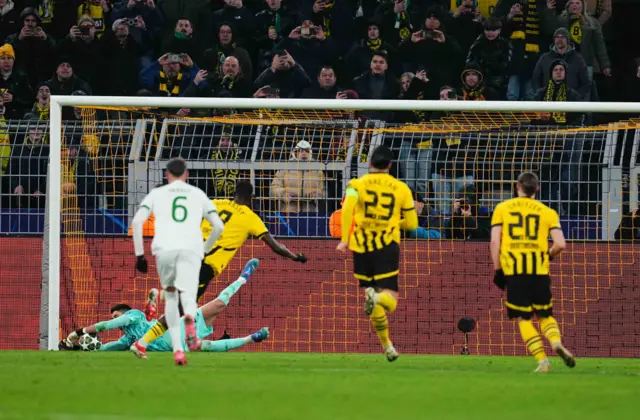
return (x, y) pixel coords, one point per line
(520, 253)
(239, 222)
(133, 324)
(178, 247)
(383, 205)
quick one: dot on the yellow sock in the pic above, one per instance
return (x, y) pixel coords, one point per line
(379, 320)
(550, 329)
(387, 301)
(155, 332)
(532, 340)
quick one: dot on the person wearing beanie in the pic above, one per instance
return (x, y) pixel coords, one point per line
(33, 46)
(14, 85)
(64, 81)
(557, 90)
(358, 59)
(99, 11)
(577, 75)
(492, 52)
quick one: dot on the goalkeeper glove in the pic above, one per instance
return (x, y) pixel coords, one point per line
(300, 258)
(72, 339)
(499, 280)
(141, 264)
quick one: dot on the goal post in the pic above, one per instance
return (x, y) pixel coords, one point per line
(149, 143)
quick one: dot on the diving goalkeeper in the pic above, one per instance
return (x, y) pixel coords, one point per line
(134, 325)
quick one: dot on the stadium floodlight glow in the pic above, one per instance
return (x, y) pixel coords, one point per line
(56, 133)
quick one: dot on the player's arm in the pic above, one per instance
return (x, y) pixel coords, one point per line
(350, 202)
(496, 242)
(409, 214)
(555, 230)
(280, 249)
(211, 214)
(120, 322)
(137, 226)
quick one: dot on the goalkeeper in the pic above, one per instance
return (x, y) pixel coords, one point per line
(134, 325)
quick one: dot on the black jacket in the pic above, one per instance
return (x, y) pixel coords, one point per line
(18, 85)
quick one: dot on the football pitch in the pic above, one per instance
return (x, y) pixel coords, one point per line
(282, 386)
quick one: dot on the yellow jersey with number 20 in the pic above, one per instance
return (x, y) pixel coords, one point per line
(526, 223)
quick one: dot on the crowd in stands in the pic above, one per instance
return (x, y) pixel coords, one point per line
(548, 50)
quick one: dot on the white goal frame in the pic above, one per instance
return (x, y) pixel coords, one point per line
(55, 139)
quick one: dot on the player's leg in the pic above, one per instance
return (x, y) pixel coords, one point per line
(542, 305)
(212, 309)
(167, 264)
(187, 268)
(519, 306)
(207, 273)
(234, 343)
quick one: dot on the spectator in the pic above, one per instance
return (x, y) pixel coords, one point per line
(34, 48)
(358, 60)
(83, 50)
(99, 11)
(120, 75)
(493, 54)
(577, 75)
(466, 24)
(14, 85)
(41, 107)
(429, 227)
(430, 49)
(557, 90)
(298, 190)
(242, 18)
(230, 83)
(28, 170)
(326, 87)
(183, 42)
(9, 19)
(473, 87)
(600, 9)
(309, 47)
(523, 56)
(415, 87)
(5, 144)
(400, 18)
(466, 222)
(65, 82)
(585, 33)
(227, 47)
(336, 20)
(224, 180)
(285, 75)
(377, 83)
(451, 171)
(273, 25)
(147, 30)
(170, 75)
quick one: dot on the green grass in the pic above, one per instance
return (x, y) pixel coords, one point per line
(264, 386)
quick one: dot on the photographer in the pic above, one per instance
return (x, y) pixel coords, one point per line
(309, 47)
(466, 24)
(83, 50)
(147, 34)
(170, 75)
(229, 83)
(466, 223)
(285, 75)
(120, 75)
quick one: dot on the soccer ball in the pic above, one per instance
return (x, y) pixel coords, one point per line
(89, 342)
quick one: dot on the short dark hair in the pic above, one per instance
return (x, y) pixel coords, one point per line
(326, 67)
(120, 307)
(177, 166)
(381, 157)
(528, 182)
(244, 190)
(492, 24)
(381, 53)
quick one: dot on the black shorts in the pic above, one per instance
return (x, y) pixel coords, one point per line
(527, 295)
(378, 268)
(206, 275)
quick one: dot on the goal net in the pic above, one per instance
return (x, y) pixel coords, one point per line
(94, 166)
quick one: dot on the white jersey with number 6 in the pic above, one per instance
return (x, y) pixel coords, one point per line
(178, 209)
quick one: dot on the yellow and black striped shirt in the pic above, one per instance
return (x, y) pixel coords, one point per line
(526, 223)
(383, 203)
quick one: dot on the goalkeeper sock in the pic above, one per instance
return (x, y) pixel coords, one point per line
(380, 323)
(231, 290)
(532, 339)
(224, 345)
(550, 329)
(172, 312)
(387, 301)
(153, 334)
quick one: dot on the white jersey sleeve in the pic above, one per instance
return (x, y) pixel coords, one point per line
(178, 209)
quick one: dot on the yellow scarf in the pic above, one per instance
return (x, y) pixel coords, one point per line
(532, 28)
(166, 82)
(225, 179)
(575, 30)
(5, 146)
(374, 44)
(556, 93)
(43, 112)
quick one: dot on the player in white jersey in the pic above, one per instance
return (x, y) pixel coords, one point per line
(177, 246)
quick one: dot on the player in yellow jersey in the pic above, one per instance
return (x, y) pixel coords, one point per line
(239, 222)
(520, 252)
(383, 205)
